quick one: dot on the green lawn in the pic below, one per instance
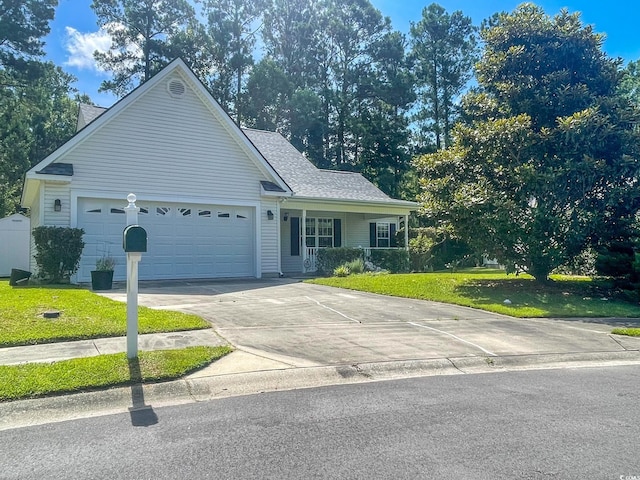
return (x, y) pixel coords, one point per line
(84, 315)
(488, 289)
(82, 374)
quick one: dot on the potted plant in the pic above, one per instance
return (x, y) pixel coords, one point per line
(102, 276)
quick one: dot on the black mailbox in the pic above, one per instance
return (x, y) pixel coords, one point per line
(134, 239)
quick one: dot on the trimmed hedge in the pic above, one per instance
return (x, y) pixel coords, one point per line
(394, 260)
(58, 252)
(331, 258)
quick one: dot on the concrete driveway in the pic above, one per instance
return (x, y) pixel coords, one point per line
(302, 325)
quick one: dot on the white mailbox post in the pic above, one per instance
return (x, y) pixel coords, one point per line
(132, 283)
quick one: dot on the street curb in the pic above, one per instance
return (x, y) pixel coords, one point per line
(198, 389)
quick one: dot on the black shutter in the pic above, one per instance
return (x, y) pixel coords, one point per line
(337, 232)
(393, 241)
(295, 236)
(373, 235)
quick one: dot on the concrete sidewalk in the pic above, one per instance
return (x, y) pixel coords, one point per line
(52, 352)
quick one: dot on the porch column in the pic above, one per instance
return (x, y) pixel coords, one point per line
(406, 232)
(303, 228)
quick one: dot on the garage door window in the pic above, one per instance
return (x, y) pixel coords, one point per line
(163, 211)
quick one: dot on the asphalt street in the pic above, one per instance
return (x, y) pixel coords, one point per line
(551, 424)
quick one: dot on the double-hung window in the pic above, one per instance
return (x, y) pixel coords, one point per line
(382, 235)
(319, 232)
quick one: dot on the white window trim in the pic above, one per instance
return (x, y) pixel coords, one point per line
(316, 229)
(387, 238)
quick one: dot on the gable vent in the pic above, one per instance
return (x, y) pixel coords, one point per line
(176, 88)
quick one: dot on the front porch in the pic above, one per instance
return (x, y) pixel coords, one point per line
(304, 232)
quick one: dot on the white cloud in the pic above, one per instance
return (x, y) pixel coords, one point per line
(81, 46)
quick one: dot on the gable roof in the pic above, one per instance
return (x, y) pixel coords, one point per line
(95, 119)
(291, 172)
(308, 181)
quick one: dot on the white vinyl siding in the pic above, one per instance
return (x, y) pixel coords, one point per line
(34, 217)
(52, 192)
(158, 143)
(269, 240)
(357, 230)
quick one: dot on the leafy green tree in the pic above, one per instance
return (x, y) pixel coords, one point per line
(548, 161)
(23, 24)
(630, 83)
(268, 92)
(231, 24)
(443, 49)
(292, 37)
(36, 117)
(141, 32)
(383, 124)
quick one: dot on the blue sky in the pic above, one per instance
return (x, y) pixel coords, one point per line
(74, 32)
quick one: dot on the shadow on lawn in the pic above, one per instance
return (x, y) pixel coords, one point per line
(566, 296)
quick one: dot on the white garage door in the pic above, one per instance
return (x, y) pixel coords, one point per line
(184, 240)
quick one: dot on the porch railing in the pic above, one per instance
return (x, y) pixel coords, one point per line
(310, 260)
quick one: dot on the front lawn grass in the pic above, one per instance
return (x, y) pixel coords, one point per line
(83, 315)
(488, 289)
(82, 374)
(630, 332)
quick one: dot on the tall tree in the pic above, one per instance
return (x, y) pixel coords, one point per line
(232, 26)
(443, 51)
(34, 96)
(385, 99)
(352, 27)
(141, 32)
(283, 90)
(347, 87)
(549, 161)
(630, 83)
(292, 38)
(23, 24)
(36, 117)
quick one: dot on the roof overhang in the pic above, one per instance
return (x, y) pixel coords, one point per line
(391, 207)
(32, 184)
(270, 189)
(213, 106)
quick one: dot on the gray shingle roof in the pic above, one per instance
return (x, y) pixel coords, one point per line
(65, 169)
(304, 178)
(308, 181)
(87, 114)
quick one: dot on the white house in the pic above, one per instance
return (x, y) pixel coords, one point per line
(217, 201)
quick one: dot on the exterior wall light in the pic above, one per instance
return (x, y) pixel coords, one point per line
(269, 214)
(57, 205)
(286, 216)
